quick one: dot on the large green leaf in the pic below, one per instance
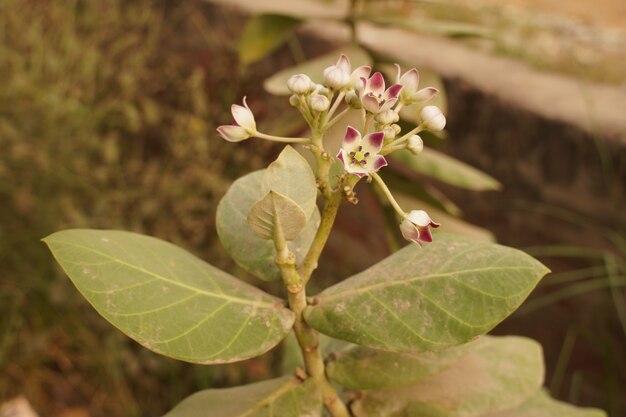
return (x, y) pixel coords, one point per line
(359, 367)
(314, 68)
(446, 169)
(541, 405)
(289, 175)
(167, 299)
(498, 374)
(263, 34)
(284, 397)
(276, 214)
(422, 299)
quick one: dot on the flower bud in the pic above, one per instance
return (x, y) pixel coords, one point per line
(321, 89)
(416, 227)
(415, 145)
(300, 84)
(387, 117)
(319, 103)
(432, 118)
(294, 100)
(397, 128)
(389, 132)
(336, 78)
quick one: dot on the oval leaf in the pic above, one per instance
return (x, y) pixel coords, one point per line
(314, 68)
(167, 299)
(287, 397)
(447, 169)
(541, 405)
(252, 253)
(276, 213)
(498, 374)
(264, 34)
(359, 367)
(422, 299)
(291, 175)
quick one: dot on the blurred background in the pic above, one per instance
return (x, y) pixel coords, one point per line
(108, 112)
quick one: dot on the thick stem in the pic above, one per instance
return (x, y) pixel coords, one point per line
(328, 219)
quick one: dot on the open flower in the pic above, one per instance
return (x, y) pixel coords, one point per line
(360, 155)
(374, 97)
(416, 227)
(243, 127)
(340, 76)
(410, 82)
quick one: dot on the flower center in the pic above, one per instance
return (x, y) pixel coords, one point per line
(359, 157)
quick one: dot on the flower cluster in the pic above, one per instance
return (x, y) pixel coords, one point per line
(363, 150)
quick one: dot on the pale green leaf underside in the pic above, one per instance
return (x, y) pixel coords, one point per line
(263, 34)
(359, 367)
(252, 253)
(314, 68)
(498, 374)
(167, 299)
(446, 169)
(274, 214)
(281, 397)
(541, 405)
(423, 299)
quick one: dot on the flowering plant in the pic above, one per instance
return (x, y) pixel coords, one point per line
(402, 338)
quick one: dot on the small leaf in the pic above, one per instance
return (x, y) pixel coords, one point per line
(363, 368)
(286, 397)
(252, 253)
(167, 299)
(291, 175)
(275, 212)
(424, 299)
(541, 405)
(497, 374)
(314, 68)
(264, 34)
(447, 169)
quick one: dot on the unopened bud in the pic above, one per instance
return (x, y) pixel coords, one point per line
(387, 117)
(294, 100)
(300, 84)
(319, 103)
(389, 132)
(321, 89)
(336, 78)
(432, 118)
(353, 100)
(415, 145)
(397, 128)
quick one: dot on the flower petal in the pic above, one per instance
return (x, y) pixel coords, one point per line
(370, 103)
(243, 116)
(410, 80)
(361, 72)
(343, 158)
(233, 133)
(344, 63)
(373, 142)
(425, 94)
(393, 92)
(419, 218)
(388, 104)
(351, 140)
(379, 162)
(376, 83)
(425, 235)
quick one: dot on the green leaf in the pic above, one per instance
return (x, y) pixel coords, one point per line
(447, 169)
(291, 175)
(314, 68)
(285, 397)
(252, 253)
(167, 299)
(264, 34)
(359, 367)
(423, 299)
(276, 212)
(541, 405)
(498, 374)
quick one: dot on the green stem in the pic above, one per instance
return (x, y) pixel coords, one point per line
(388, 194)
(404, 137)
(308, 338)
(281, 138)
(336, 104)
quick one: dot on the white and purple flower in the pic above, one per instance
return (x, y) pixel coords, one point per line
(374, 97)
(416, 227)
(410, 82)
(359, 155)
(243, 126)
(341, 75)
